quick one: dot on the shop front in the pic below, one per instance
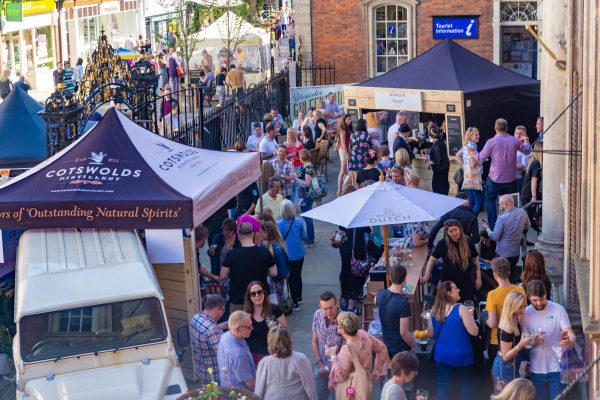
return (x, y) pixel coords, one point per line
(29, 45)
(86, 20)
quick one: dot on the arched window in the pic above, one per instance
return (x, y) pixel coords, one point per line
(391, 37)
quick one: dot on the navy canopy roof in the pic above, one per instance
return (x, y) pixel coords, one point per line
(449, 66)
(22, 131)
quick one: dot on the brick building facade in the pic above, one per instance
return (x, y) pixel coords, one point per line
(350, 33)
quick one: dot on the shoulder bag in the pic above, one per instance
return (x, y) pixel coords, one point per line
(358, 386)
(358, 268)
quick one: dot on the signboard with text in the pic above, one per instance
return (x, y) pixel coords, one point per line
(456, 27)
(301, 98)
(385, 100)
(14, 12)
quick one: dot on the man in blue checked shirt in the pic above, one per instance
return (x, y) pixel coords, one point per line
(205, 336)
(236, 366)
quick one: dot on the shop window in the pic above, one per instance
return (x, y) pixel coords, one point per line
(518, 11)
(391, 37)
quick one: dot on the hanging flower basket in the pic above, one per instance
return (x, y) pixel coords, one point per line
(221, 393)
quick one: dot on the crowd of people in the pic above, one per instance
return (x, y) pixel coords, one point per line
(257, 262)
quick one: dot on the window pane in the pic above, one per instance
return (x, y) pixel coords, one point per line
(402, 47)
(381, 48)
(402, 29)
(391, 63)
(391, 13)
(391, 30)
(392, 48)
(402, 60)
(381, 67)
(402, 14)
(86, 325)
(380, 14)
(380, 31)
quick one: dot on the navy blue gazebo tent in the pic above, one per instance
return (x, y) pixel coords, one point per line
(489, 91)
(22, 131)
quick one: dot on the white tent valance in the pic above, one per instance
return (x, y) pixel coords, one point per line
(232, 25)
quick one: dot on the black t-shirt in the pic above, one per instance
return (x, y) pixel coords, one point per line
(364, 175)
(247, 197)
(246, 264)
(508, 337)
(318, 131)
(535, 169)
(221, 79)
(258, 339)
(455, 273)
(392, 307)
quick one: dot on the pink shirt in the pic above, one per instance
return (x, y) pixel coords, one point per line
(502, 150)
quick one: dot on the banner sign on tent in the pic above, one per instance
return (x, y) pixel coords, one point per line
(301, 98)
(456, 27)
(386, 100)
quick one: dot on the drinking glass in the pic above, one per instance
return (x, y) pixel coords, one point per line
(270, 320)
(422, 394)
(540, 332)
(470, 305)
(529, 335)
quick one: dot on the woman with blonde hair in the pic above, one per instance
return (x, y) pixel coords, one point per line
(519, 389)
(467, 156)
(285, 374)
(359, 346)
(6, 86)
(511, 341)
(460, 258)
(402, 159)
(451, 325)
(320, 125)
(293, 147)
(532, 183)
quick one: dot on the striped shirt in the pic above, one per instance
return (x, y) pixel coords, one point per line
(235, 361)
(283, 169)
(327, 334)
(205, 336)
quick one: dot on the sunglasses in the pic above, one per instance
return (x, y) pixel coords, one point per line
(247, 327)
(257, 293)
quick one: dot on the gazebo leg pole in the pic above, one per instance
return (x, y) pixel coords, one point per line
(386, 253)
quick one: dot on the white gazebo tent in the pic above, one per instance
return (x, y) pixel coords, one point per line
(255, 42)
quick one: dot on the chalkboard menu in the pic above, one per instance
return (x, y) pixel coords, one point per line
(454, 132)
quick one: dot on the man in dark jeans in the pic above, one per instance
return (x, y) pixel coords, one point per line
(502, 150)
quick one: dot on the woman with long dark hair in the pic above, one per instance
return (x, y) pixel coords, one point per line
(534, 267)
(263, 314)
(460, 260)
(342, 143)
(439, 161)
(451, 324)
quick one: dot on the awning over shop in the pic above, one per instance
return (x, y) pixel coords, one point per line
(22, 131)
(121, 175)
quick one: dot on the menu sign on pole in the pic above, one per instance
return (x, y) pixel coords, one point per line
(454, 132)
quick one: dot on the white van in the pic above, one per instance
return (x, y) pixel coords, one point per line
(90, 319)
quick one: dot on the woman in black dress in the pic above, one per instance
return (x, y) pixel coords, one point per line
(439, 162)
(370, 171)
(460, 260)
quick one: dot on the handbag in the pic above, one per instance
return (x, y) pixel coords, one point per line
(459, 177)
(358, 268)
(179, 70)
(358, 386)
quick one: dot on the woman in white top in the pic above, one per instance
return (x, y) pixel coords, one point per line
(404, 368)
(284, 374)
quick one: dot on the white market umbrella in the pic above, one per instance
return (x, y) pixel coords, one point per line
(382, 204)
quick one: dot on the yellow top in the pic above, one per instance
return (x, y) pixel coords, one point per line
(235, 78)
(495, 301)
(373, 120)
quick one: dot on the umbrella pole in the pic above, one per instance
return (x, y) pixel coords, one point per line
(386, 253)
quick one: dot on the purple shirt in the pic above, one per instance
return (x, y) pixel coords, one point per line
(502, 149)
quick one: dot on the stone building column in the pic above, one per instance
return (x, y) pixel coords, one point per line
(554, 97)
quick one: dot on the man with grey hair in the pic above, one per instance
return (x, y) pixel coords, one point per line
(272, 198)
(283, 167)
(245, 264)
(205, 336)
(234, 357)
(393, 132)
(333, 109)
(508, 232)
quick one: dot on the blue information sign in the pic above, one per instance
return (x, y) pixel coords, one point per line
(456, 27)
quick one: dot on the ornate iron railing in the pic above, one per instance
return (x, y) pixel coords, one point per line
(314, 74)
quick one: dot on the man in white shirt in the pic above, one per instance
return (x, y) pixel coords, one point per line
(272, 198)
(254, 139)
(401, 118)
(550, 326)
(522, 159)
(268, 146)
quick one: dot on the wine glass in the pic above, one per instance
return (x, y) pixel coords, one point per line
(422, 394)
(271, 321)
(528, 334)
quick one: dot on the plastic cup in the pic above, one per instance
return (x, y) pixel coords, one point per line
(470, 305)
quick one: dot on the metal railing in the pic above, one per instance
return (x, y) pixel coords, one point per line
(315, 74)
(226, 125)
(574, 389)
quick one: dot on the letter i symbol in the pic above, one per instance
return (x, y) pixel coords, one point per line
(469, 33)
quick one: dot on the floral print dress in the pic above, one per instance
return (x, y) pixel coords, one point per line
(360, 143)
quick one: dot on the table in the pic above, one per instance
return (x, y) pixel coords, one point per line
(415, 294)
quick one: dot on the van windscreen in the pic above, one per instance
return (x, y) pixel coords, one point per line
(92, 329)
